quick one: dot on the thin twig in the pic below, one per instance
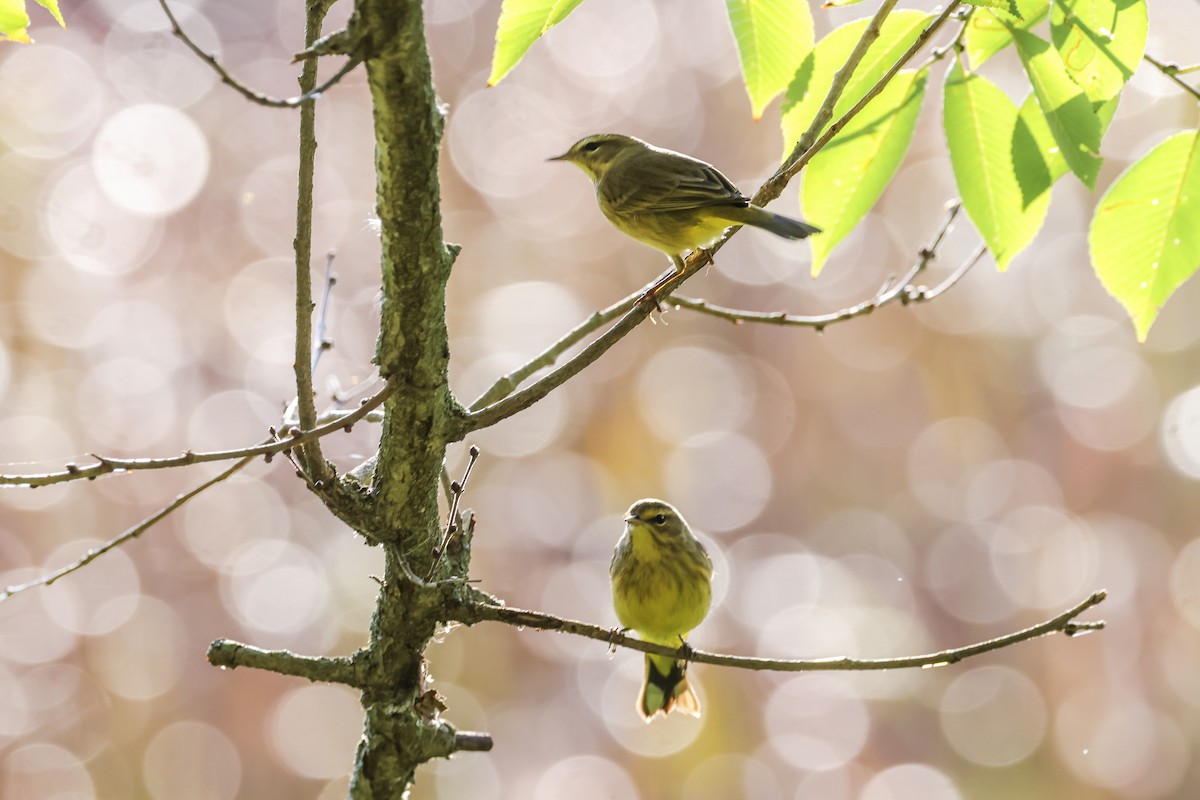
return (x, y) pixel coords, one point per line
(457, 488)
(1173, 71)
(321, 340)
(255, 97)
(903, 291)
(106, 465)
(131, 533)
(1063, 623)
(506, 384)
(311, 457)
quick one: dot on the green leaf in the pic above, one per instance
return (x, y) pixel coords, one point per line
(987, 31)
(521, 23)
(981, 132)
(1068, 111)
(1101, 42)
(843, 181)
(773, 37)
(13, 21)
(808, 89)
(1143, 237)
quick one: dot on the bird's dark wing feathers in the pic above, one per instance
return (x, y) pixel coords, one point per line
(677, 184)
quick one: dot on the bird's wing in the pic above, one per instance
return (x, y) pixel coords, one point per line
(671, 184)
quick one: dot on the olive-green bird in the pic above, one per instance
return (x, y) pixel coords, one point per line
(670, 201)
(662, 588)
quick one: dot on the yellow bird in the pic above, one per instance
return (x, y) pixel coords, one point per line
(662, 588)
(668, 200)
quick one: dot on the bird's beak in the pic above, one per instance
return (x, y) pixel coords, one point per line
(564, 157)
(630, 519)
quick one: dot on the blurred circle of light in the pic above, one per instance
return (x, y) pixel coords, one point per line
(944, 458)
(90, 231)
(910, 782)
(874, 348)
(44, 771)
(100, 604)
(504, 316)
(817, 722)
(142, 659)
(1119, 742)
(314, 729)
(720, 481)
(713, 389)
(232, 418)
(146, 64)
(476, 778)
(15, 716)
(771, 579)
(1181, 432)
(29, 634)
(1095, 377)
(958, 570)
(1042, 557)
(129, 404)
(191, 760)
(499, 141)
(1185, 583)
(20, 234)
(729, 775)
(584, 778)
(618, 697)
(274, 587)
(529, 432)
(59, 98)
(239, 512)
(993, 716)
(150, 159)
(602, 47)
(259, 316)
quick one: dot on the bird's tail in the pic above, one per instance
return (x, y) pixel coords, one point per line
(777, 224)
(666, 689)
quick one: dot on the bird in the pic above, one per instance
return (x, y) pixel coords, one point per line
(662, 589)
(668, 200)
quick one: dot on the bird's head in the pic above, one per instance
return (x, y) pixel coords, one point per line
(656, 516)
(595, 154)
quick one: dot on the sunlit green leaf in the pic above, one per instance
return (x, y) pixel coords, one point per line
(807, 91)
(981, 129)
(521, 23)
(1101, 42)
(1143, 237)
(987, 30)
(773, 37)
(843, 181)
(1069, 113)
(13, 21)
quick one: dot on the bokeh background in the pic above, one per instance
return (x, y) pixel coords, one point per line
(918, 479)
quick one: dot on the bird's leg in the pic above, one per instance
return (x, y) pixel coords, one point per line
(708, 256)
(652, 293)
(686, 651)
(612, 638)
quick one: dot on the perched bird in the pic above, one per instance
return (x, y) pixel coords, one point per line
(662, 588)
(670, 201)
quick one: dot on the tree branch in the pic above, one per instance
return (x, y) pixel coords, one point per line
(105, 465)
(306, 98)
(903, 291)
(131, 533)
(1063, 623)
(231, 655)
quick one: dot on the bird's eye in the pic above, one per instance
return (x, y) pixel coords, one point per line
(659, 519)
(590, 147)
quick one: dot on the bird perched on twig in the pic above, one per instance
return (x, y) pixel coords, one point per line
(668, 200)
(662, 588)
